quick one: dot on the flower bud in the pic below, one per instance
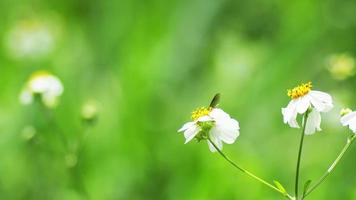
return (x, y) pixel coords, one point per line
(89, 111)
(345, 111)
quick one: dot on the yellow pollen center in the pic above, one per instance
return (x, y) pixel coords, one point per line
(200, 112)
(38, 74)
(300, 90)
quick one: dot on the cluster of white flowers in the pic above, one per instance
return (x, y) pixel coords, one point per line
(213, 124)
(47, 86)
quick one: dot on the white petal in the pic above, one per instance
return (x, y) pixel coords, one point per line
(321, 101)
(313, 122)
(205, 118)
(55, 85)
(289, 110)
(191, 132)
(325, 97)
(303, 104)
(216, 141)
(186, 126)
(227, 130)
(38, 85)
(349, 120)
(353, 125)
(46, 83)
(345, 120)
(290, 114)
(217, 113)
(293, 122)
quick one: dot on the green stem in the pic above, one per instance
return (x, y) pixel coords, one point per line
(249, 173)
(333, 165)
(300, 153)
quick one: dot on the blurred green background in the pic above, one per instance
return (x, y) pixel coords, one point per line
(147, 65)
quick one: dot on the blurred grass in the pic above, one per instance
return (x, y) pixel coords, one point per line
(148, 64)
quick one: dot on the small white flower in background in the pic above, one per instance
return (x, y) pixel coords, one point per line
(31, 38)
(44, 84)
(348, 118)
(341, 66)
(304, 99)
(213, 123)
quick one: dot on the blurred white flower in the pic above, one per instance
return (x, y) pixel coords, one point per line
(44, 84)
(30, 38)
(348, 118)
(303, 98)
(213, 123)
(341, 66)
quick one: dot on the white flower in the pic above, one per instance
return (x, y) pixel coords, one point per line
(303, 98)
(341, 66)
(221, 127)
(30, 38)
(44, 84)
(348, 118)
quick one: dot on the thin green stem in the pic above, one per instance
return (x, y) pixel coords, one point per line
(52, 124)
(300, 153)
(249, 173)
(332, 166)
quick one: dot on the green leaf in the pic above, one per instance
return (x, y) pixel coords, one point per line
(280, 187)
(306, 186)
(214, 102)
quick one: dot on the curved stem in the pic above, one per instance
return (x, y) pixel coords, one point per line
(300, 154)
(249, 173)
(332, 166)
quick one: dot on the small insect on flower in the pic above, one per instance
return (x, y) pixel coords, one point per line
(45, 85)
(211, 123)
(348, 118)
(304, 99)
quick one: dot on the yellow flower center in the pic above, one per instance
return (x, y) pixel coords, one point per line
(38, 74)
(300, 90)
(196, 114)
(345, 111)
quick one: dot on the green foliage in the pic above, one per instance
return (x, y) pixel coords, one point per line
(148, 64)
(280, 187)
(306, 186)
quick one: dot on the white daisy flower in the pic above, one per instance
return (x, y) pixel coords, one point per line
(213, 123)
(348, 118)
(304, 98)
(42, 83)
